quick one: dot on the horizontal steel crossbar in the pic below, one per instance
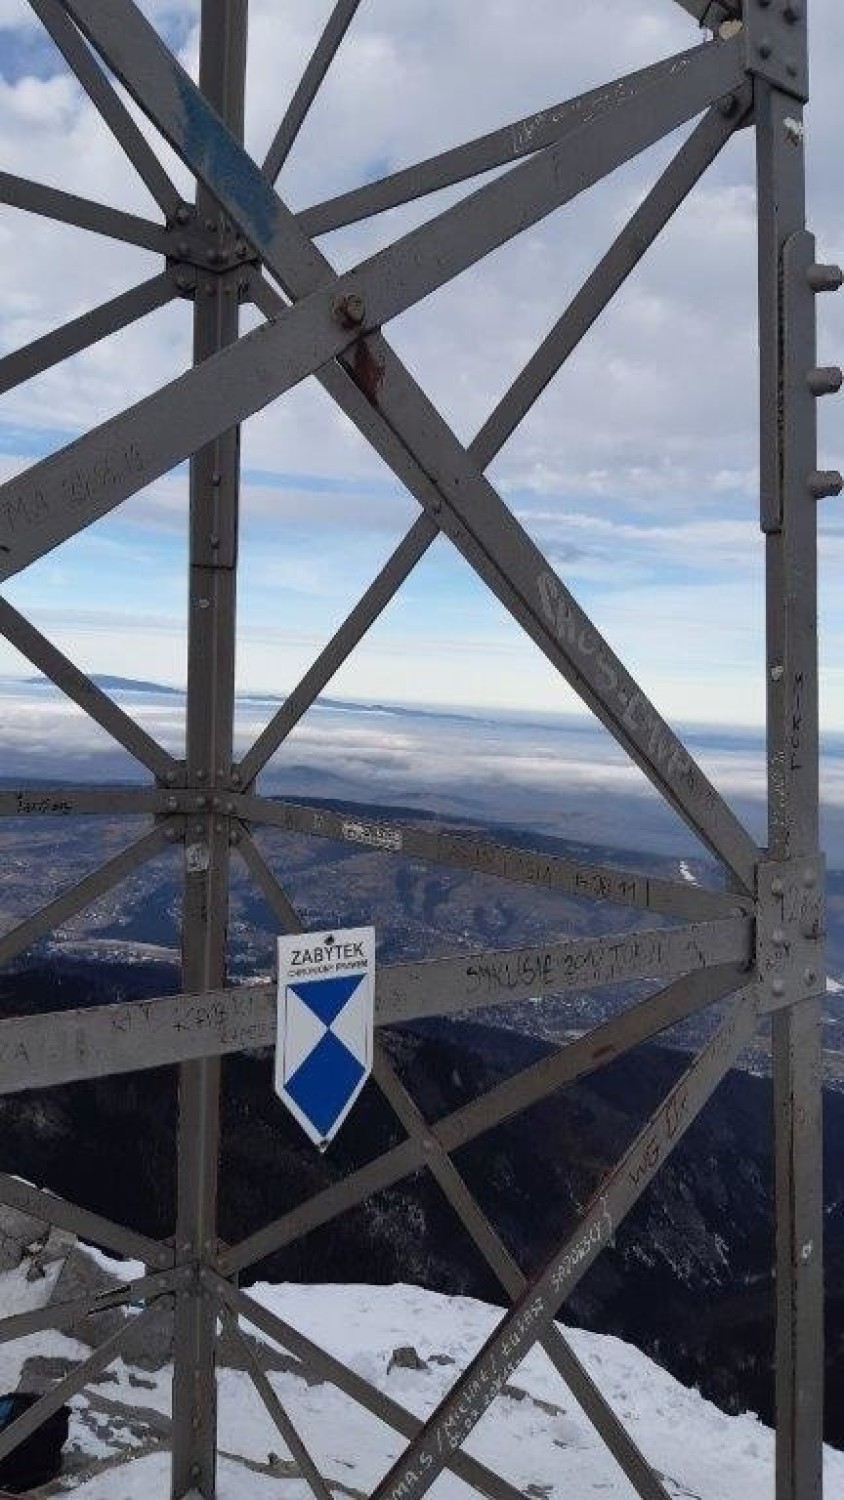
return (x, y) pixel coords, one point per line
(57, 1047)
(465, 851)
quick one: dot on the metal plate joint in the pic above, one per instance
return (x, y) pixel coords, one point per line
(790, 931)
(776, 44)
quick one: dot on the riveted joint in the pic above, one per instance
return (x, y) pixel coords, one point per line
(790, 931)
(776, 44)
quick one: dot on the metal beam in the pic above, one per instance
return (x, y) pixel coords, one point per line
(255, 1370)
(65, 1314)
(276, 898)
(398, 567)
(499, 148)
(533, 1313)
(79, 687)
(109, 104)
(15, 1193)
(493, 1250)
(789, 517)
(74, 801)
(320, 61)
(213, 555)
(465, 851)
(82, 894)
(442, 986)
(80, 333)
(83, 213)
(347, 1380)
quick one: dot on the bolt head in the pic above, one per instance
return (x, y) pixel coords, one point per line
(777, 887)
(793, 12)
(778, 986)
(765, 47)
(350, 310)
(778, 936)
(810, 879)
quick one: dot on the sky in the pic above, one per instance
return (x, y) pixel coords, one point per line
(636, 472)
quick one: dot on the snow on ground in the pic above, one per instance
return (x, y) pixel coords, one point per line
(686, 873)
(535, 1434)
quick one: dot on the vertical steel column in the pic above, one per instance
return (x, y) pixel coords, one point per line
(214, 486)
(788, 435)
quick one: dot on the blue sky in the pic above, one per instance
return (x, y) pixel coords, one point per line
(636, 472)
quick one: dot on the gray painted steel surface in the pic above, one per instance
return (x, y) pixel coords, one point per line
(758, 940)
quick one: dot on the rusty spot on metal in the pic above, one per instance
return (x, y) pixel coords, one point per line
(369, 371)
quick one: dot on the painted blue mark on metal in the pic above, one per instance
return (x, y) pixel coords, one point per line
(324, 1083)
(229, 171)
(326, 997)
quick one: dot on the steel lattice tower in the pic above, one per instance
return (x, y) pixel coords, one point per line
(758, 945)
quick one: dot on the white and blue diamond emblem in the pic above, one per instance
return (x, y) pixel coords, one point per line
(325, 1023)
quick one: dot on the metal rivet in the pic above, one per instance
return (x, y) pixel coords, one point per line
(202, 802)
(792, 12)
(172, 803)
(201, 774)
(728, 106)
(350, 310)
(810, 879)
(765, 47)
(234, 836)
(182, 214)
(778, 936)
(777, 888)
(183, 248)
(235, 777)
(778, 986)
